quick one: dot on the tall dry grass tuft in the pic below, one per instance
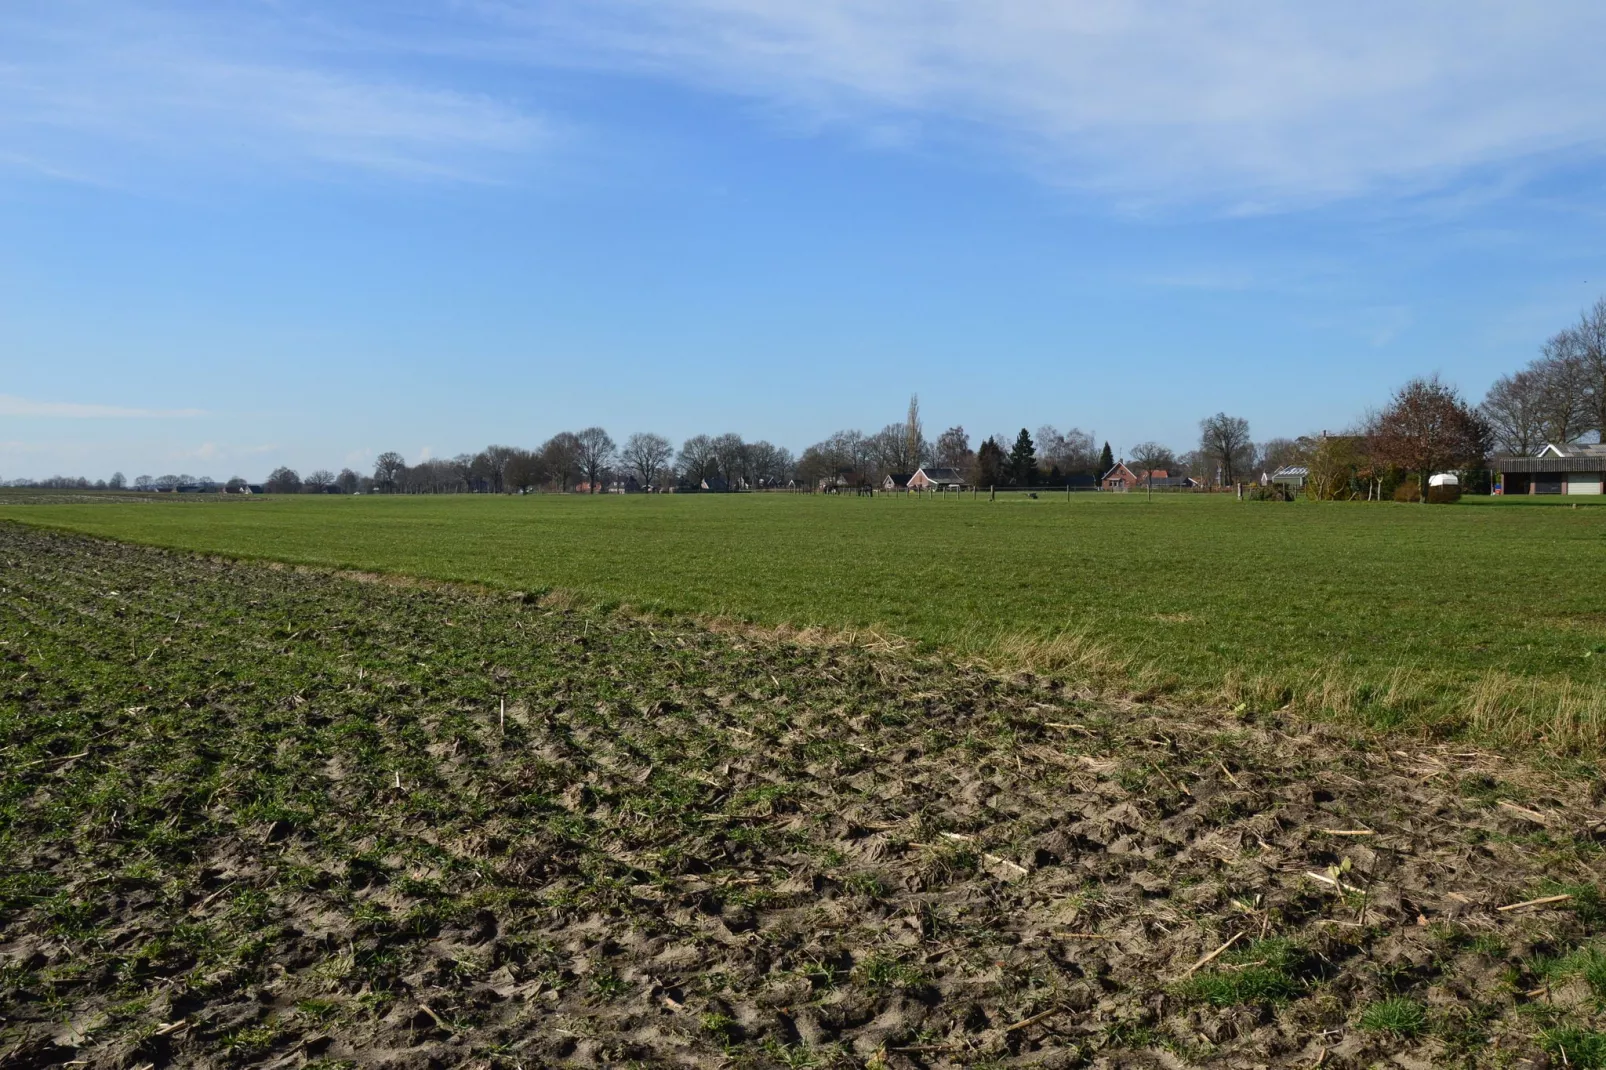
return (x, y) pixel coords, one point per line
(1074, 656)
(1559, 717)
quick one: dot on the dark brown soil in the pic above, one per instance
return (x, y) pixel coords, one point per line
(253, 816)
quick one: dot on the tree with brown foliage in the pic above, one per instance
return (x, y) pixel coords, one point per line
(1427, 428)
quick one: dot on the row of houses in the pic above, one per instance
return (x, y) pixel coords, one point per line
(1120, 478)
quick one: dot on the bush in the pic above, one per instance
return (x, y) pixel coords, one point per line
(1276, 492)
(1408, 491)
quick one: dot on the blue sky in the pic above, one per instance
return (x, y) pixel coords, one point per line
(241, 233)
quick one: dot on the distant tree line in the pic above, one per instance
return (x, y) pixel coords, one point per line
(1426, 426)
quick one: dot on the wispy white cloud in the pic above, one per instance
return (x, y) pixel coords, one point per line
(10, 405)
(211, 451)
(1250, 106)
(97, 92)
(1253, 105)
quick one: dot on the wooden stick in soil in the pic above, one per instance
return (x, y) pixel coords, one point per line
(1206, 960)
(1033, 1020)
(46, 761)
(1531, 815)
(1535, 902)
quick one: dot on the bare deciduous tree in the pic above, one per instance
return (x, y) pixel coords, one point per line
(1589, 350)
(1225, 440)
(698, 460)
(348, 481)
(1152, 460)
(1565, 403)
(388, 468)
(730, 456)
(487, 468)
(646, 454)
(1514, 408)
(319, 480)
(953, 449)
(771, 465)
(525, 470)
(1281, 452)
(594, 453)
(281, 480)
(561, 457)
(1068, 452)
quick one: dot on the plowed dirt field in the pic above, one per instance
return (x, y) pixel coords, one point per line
(258, 816)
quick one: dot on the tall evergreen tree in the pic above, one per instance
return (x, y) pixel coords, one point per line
(1106, 460)
(1023, 459)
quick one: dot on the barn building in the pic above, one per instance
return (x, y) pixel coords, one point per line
(1571, 469)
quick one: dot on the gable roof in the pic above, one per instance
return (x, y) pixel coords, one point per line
(1573, 449)
(1120, 466)
(939, 475)
(898, 479)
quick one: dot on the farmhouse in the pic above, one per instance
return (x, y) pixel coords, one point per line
(929, 477)
(896, 481)
(1122, 477)
(1119, 478)
(1567, 469)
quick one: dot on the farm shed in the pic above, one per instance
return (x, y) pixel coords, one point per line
(1292, 476)
(933, 478)
(1569, 469)
(896, 481)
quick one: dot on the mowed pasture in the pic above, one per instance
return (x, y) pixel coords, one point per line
(1485, 618)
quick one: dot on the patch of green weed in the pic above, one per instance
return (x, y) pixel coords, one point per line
(1399, 1016)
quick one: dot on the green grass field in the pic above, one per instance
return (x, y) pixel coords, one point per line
(1487, 617)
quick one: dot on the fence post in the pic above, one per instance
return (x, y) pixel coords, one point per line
(992, 492)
